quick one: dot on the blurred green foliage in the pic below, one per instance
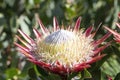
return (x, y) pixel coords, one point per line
(20, 14)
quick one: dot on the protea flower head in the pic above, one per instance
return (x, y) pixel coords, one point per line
(115, 33)
(62, 50)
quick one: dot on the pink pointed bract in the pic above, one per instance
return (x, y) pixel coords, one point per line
(63, 51)
(114, 32)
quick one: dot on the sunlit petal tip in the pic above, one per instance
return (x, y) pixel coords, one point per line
(21, 47)
(99, 41)
(27, 38)
(55, 24)
(45, 31)
(77, 24)
(94, 33)
(112, 31)
(117, 38)
(37, 34)
(22, 41)
(68, 28)
(118, 24)
(23, 50)
(26, 54)
(88, 31)
(98, 50)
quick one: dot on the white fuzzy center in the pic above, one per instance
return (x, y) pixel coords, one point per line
(60, 36)
(67, 47)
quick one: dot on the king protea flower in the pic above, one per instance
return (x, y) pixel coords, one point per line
(62, 50)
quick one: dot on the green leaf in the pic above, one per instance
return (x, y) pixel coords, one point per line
(117, 77)
(37, 1)
(42, 71)
(23, 22)
(87, 74)
(10, 3)
(11, 73)
(32, 74)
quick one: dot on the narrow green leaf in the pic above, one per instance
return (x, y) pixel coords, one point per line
(32, 74)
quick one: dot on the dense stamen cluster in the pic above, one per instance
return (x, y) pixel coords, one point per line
(67, 47)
